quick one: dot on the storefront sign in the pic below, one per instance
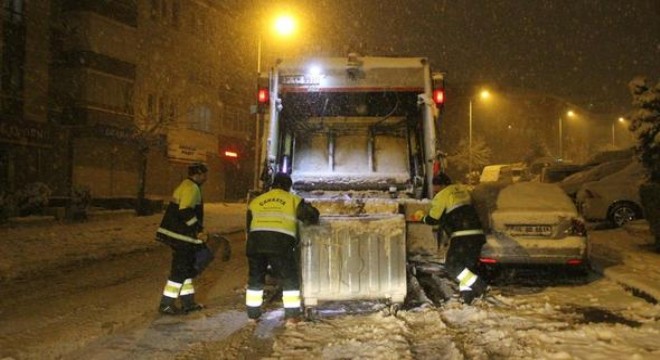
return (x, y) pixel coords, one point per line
(26, 133)
(187, 153)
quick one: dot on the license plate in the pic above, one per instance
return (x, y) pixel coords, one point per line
(529, 230)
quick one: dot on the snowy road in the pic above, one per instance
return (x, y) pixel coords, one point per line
(106, 310)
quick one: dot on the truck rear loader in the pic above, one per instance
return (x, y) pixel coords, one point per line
(358, 137)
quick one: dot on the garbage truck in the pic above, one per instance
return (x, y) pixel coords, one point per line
(358, 137)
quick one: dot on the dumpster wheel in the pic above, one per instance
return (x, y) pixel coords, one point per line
(311, 313)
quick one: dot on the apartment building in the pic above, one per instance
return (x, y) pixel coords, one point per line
(108, 94)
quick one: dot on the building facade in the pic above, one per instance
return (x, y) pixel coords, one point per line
(113, 94)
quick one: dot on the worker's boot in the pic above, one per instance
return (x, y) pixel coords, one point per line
(167, 306)
(292, 315)
(189, 304)
(253, 313)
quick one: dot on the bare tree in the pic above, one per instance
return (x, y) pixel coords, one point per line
(460, 158)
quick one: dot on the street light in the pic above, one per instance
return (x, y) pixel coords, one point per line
(484, 95)
(621, 120)
(570, 114)
(283, 26)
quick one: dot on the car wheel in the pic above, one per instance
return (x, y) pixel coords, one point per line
(622, 213)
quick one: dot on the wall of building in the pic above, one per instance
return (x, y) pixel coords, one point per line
(94, 72)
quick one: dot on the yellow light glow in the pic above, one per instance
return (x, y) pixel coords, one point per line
(485, 94)
(570, 113)
(285, 25)
(622, 119)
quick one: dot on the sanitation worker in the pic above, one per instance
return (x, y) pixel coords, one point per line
(182, 229)
(272, 240)
(453, 211)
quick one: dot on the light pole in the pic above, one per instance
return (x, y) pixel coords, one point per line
(283, 25)
(621, 120)
(257, 125)
(570, 114)
(484, 94)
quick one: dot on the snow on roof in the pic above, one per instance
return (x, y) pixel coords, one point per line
(573, 182)
(633, 173)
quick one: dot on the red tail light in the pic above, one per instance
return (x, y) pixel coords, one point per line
(574, 262)
(262, 96)
(439, 97)
(487, 260)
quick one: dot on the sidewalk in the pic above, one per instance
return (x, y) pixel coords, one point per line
(626, 256)
(622, 255)
(33, 248)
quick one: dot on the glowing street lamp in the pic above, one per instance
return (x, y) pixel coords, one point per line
(570, 114)
(484, 95)
(620, 120)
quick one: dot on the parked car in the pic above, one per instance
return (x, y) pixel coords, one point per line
(558, 172)
(535, 223)
(572, 183)
(497, 173)
(614, 198)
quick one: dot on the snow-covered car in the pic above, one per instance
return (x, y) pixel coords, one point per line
(535, 223)
(614, 198)
(572, 183)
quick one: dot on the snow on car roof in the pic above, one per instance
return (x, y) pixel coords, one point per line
(633, 173)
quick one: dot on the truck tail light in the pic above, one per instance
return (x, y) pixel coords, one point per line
(263, 96)
(439, 97)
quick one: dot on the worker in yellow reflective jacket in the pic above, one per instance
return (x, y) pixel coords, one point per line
(453, 211)
(272, 227)
(182, 229)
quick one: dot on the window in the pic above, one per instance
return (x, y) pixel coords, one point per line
(161, 109)
(13, 58)
(13, 11)
(200, 118)
(108, 92)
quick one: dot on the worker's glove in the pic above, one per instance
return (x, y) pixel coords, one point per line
(204, 236)
(418, 215)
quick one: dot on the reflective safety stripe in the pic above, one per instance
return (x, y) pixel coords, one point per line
(276, 215)
(455, 206)
(192, 221)
(178, 236)
(466, 233)
(172, 289)
(187, 288)
(275, 229)
(254, 298)
(291, 299)
(466, 279)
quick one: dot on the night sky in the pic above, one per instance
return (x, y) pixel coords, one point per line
(583, 51)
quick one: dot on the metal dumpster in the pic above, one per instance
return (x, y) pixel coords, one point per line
(354, 258)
